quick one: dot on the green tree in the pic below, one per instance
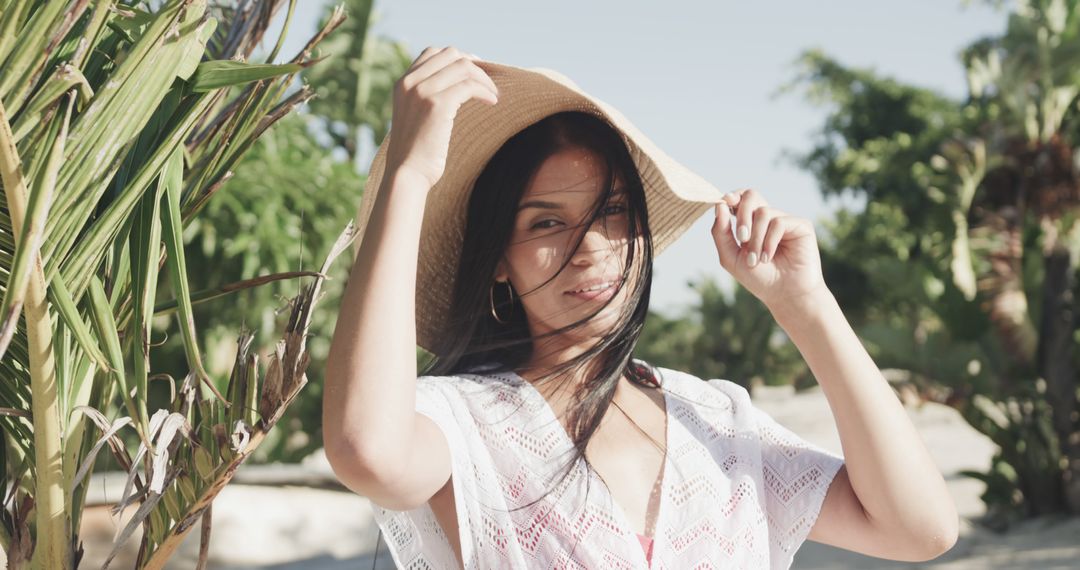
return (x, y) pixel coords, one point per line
(967, 248)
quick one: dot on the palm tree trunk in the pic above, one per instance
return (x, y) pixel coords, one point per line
(1057, 365)
(1003, 284)
(53, 527)
(52, 519)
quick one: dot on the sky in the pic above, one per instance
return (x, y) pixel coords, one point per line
(700, 79)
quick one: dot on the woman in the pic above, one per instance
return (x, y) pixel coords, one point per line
(523, 226)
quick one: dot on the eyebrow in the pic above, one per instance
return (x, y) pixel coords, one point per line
(555, 205)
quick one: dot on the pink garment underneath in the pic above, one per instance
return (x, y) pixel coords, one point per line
(646, 545)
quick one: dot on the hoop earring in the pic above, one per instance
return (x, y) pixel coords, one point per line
(491, 297)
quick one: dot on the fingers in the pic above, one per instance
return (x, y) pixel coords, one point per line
(464, 90)
(773, 235)
(461, 70)
(745, 202)
(426, 65)
(726, 246)
(436, 70)
(759, 225)
(424, 56)
(757, 231)
(423, 66)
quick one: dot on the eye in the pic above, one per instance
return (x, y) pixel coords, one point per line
(620, 208)
(609, 210)
(537, 225)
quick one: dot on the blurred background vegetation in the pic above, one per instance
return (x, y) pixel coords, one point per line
(965, 257)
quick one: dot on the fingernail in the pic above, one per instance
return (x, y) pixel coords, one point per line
(751, 259)
(764, 258)
(744, 233)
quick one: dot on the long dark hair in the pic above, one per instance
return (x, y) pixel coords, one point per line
(473, 337)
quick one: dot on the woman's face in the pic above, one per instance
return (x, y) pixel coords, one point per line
(550, 218)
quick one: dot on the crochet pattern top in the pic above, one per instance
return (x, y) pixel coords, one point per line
(738, 489)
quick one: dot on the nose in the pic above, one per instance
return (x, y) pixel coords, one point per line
(595, 246)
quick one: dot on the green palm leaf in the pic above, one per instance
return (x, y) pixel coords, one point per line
(117, 125)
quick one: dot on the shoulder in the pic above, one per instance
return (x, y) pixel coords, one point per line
(713, 409)
(475, 390)
(470, 376)
(716, 391)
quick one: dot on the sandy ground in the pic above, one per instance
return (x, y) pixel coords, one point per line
(258, 522)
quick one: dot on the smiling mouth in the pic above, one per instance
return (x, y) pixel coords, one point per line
(596, 289)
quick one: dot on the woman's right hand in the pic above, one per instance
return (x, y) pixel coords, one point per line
(426, 100)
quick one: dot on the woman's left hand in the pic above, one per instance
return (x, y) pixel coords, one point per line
(778, 260)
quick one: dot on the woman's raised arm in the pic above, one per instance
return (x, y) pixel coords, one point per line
(889, 499)
(375, 441)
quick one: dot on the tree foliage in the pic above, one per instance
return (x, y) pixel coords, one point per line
(730, 336)
(966, 252)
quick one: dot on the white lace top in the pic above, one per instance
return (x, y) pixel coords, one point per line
(738, 489)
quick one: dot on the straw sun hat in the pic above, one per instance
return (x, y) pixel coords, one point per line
(675, 196)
